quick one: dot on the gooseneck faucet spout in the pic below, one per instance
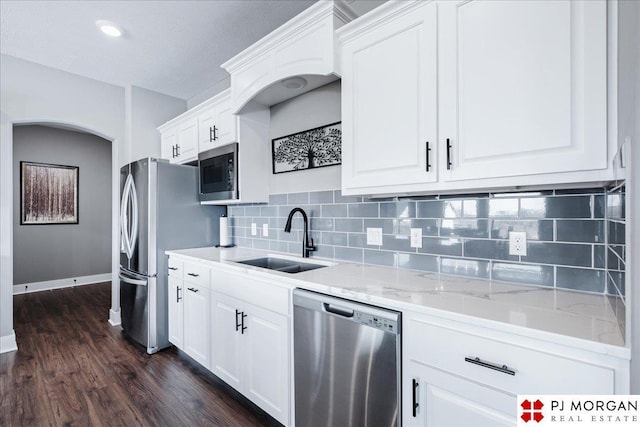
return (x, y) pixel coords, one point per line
(306, 245)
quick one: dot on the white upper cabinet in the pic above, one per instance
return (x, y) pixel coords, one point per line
(522, 87)
(212, 124)
(216, 124)
(461, 95)
(389, 108)
(302, 46)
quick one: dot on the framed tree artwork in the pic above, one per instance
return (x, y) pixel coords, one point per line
(48, 194)
(313, 148)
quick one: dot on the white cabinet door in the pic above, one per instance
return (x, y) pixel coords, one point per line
(445, 400)
(196, 323)
(522, 87)
(176, 312)
(266, 380)
(227, 123)
(168, 142)
(206, 127)
(226, 339)
(187, 141)
(389, 103)
(216, 125)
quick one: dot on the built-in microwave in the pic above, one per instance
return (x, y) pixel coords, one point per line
(219, 173)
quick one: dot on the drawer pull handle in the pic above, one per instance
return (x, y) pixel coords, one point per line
(497, 367)
(173, 268)
(193, 274)
(193, 289)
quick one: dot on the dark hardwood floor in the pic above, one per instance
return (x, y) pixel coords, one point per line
(73, 369)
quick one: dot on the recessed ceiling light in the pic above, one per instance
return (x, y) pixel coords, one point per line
(109, 28)
(294, 82)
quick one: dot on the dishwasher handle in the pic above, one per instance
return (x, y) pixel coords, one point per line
(330, 308)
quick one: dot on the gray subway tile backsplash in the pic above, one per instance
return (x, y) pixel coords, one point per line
(542, 275)
(418, 262)
(364, 210)
(580, 231)
(582, 279)
(541, 230)
(384, 258)
(571, 244)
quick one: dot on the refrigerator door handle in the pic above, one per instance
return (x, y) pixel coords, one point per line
(124, 218)
(133, 238)
(129, 236)
(131, 281)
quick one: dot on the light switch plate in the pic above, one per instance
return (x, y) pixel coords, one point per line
(416, 237)
(254, 229)
(265, 230)
(374, 236)
(517, 243)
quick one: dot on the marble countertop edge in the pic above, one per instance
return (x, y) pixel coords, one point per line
(568, 318)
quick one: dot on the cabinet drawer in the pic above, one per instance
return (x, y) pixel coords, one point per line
(268, 296)
(535, 371)
(176, 267)
(197, 274)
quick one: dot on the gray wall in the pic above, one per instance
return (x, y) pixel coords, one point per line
(148, 111)
(316, 108)
(50, 252)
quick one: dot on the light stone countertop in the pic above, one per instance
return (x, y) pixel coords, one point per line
(564, 317)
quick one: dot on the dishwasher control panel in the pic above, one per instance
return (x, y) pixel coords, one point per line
(376, 321)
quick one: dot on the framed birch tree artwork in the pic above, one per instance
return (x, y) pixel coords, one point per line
(313, 148)
(48, 194)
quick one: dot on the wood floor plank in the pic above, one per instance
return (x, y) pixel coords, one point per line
(74, 369)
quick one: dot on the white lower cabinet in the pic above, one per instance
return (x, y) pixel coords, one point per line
(176, 311)
(196, 323)
(188, 309)
(457, 374)
(250, 344)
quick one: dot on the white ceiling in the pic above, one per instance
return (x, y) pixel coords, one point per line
(171, 47)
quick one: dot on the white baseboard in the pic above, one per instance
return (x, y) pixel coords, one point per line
(114, 317)
(8, 343)
(60, 283)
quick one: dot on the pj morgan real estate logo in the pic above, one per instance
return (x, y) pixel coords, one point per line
(578, 410)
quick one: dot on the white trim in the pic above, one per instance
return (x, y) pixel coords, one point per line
(60, 283)
(114, 318)
(8, 343)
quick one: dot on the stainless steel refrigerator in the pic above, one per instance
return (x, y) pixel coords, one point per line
(159, 210)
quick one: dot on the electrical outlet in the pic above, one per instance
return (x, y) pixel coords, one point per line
(265, 230)
(254, 229)
(517, 243)
(416, 237)
(374, 236)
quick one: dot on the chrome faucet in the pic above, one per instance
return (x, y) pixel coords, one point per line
(306, 246)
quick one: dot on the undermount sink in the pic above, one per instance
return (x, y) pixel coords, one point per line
(281, 264)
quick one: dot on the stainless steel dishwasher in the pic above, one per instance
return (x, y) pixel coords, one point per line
(346, 361)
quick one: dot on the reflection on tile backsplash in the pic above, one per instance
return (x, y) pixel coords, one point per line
(615, 251)
(464, 234)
